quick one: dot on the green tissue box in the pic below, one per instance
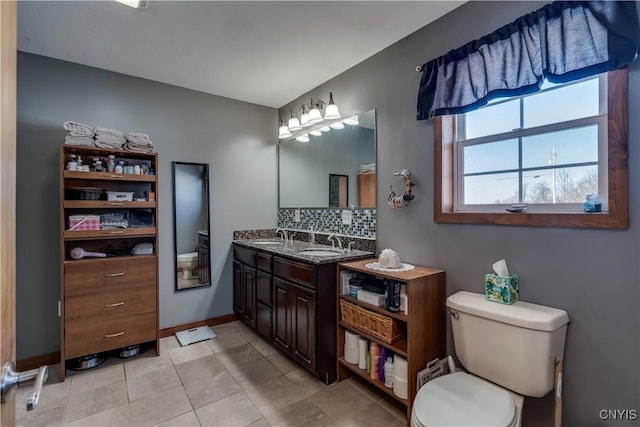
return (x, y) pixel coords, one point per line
(503, 289)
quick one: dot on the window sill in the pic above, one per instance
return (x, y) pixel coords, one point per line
(586, 220)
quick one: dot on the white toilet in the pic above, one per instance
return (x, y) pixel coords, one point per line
(188, 262)
(509, 351)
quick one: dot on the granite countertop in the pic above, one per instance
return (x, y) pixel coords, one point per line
(294, 251)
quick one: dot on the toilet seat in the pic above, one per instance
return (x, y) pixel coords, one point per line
(188, 256)
(460, 399)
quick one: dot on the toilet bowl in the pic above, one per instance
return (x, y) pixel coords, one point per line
(188, 262)
(461, 399)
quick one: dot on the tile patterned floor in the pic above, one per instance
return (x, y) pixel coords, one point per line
(237, 379)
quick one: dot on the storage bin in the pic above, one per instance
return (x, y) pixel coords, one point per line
(502, 289)
(84, 193)
(377, 325)
(120, 196)
(84, 222)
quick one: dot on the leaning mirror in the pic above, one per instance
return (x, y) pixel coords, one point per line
(191, 225)
(335, 169)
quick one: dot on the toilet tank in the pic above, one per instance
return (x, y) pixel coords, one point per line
(514, 346)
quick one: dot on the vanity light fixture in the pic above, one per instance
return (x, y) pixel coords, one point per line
(302, 138)
(336, 125)
(136, 4)
(310, 115)
(283, 131)
(325, 129)
(314, 114)
(304, 118)
(332, 109)
(294, 123)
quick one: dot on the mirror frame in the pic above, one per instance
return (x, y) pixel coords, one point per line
(175, 230)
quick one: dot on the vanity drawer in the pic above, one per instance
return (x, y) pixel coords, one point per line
(109, 274)
(244, 255)
(297, 272)
(88, 337)
(264, 261)
(107, 305)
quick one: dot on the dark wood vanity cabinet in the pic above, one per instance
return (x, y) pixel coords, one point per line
(295, 306)
(203, 259)
(244, 291)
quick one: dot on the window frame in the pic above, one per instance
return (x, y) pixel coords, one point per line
(617, 178)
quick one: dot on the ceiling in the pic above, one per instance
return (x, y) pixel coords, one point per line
(262, 52)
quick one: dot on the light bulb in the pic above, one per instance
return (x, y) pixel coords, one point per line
(352, 121)
(315, 133)
(336, 125)
(294, 124)
(315, 116)
(283, 132)
(302, 138)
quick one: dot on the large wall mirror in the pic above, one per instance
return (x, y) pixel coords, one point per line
(191, 225)
(331, 168)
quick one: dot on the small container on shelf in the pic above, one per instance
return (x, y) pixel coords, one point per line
(120, 196)
(111, 163)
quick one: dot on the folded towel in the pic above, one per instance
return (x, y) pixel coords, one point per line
(139, 141)
(79, 140)
(137, 135)
(106, 131)
(113, 220)
(137, 148)
(78, 129)
(108, 144)
(111, 138)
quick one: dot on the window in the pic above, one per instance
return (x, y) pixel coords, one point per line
(549, 149)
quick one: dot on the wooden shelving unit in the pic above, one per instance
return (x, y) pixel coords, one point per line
(112, 302)
(424, 325)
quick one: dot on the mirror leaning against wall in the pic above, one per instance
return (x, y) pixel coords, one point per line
(191, 225)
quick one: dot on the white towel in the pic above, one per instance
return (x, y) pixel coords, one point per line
(137, 135)
(111, 139)
(79, 140)
(108, 144)
(106, 131)
(78, 129)
(137, 148)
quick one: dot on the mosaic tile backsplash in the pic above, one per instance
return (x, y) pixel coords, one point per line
(363, 223)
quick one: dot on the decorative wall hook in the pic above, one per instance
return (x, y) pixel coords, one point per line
(396, 201)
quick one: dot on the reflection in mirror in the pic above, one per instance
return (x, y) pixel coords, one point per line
(338, 190)
(191, 225)
(350, 152)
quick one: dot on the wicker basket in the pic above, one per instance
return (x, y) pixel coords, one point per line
(377, 325)
(85, 193)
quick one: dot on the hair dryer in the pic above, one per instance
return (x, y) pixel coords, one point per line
(79, 253)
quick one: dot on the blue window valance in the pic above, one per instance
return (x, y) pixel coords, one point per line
(561, 42)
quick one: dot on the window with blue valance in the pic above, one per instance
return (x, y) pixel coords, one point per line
(561, 42)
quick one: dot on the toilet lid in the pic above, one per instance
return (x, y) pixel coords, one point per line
(189, 255)
(460, 399)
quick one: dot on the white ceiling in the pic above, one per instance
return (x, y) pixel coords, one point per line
(263, 52)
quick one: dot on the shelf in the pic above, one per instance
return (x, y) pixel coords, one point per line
(104, 204)
(399, 315)
(89, 260)
(401, 276)
(105, 176)
(364, 374)
(109, 234)
(97, 151)
(399, 346)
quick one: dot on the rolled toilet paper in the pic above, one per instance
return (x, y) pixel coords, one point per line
(400, 368)
(400, 388)
(362, 353)
(351, 355)
(351, 340)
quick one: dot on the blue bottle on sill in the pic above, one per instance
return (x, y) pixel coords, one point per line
(592, 203)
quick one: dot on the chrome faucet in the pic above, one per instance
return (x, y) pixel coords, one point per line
(350, 246)
(333, 239)
(285, 235)
(293, 233)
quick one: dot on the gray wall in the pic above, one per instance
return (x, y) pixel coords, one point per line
(191, 204)
(593, 274)
(237, 139)
(305, 167)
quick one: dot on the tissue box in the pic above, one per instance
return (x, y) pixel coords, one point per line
(371, 298)
(503, 289)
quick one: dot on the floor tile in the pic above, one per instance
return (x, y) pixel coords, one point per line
(395, 407)
(159, 407)
(239, 355)
(275, 394)
(152, 382)
(206, 380)
(227, 341)
(168, 343)
(185, 420)
(367, 389)
(114, 417)
(189, 352)
(265, 348)
(92, 378)
(50, 418)
(147, 363)
(340, 399)
(85, 401)
(307, 383)
(223, 329)
(249, 335)
(283, 363)
(301, 413)
(253, 374)
(54, 397)
(235, 410)
(372, 415)
(259, 423)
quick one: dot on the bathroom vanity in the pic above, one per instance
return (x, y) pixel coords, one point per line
(290, 299)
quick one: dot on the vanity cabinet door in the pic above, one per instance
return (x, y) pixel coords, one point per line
(281, 315)
(249, 294)
(303, 326)
(238, 297)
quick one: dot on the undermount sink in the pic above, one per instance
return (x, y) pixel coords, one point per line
(266, 242)
(319, 252)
